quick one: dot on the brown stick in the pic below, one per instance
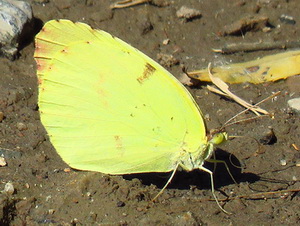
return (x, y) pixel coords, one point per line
(256, 46)
(127, 3)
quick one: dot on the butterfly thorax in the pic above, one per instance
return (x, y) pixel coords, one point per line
(194, 160)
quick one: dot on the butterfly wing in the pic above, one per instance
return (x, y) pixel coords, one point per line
(108, 107)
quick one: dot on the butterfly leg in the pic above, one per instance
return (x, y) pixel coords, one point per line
(213, 188)
(168, 182)
(225, 164)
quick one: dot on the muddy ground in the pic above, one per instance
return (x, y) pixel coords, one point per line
(46, 193)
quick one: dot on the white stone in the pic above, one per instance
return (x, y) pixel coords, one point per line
(9, 188)
(13, 16)
(294, 104)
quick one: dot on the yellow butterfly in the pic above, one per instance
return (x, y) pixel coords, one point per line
(107, 107)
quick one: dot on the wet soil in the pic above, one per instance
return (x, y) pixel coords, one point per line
(47, 192)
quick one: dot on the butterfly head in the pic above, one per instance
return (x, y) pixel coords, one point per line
(217, 137)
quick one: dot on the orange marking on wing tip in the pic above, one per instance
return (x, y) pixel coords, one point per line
(37, 50)
(45, 30)
(39, 66)
(40, 81)
(40, 48)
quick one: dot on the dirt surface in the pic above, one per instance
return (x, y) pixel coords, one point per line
(46, 192)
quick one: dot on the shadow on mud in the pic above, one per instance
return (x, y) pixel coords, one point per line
(198, 178)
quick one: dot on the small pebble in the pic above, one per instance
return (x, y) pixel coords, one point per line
(139, 209)
(41, 157)
(74, 221)
(167, 60)
(2, 161)
(93, 216)
(120, 204)
(9, 188)
(287, 19)
(67, 170)
(51, 211)
(166, 41)
(1, 116)
(188, 13)
(48, 198)
(21, 126)
(187, 219)
(283, 162)
(268, 137)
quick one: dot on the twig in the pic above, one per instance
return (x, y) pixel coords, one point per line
(269, 97)
(225, 89)
(256, 196)
(263, 194)
(127, 3)
(256, 46)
